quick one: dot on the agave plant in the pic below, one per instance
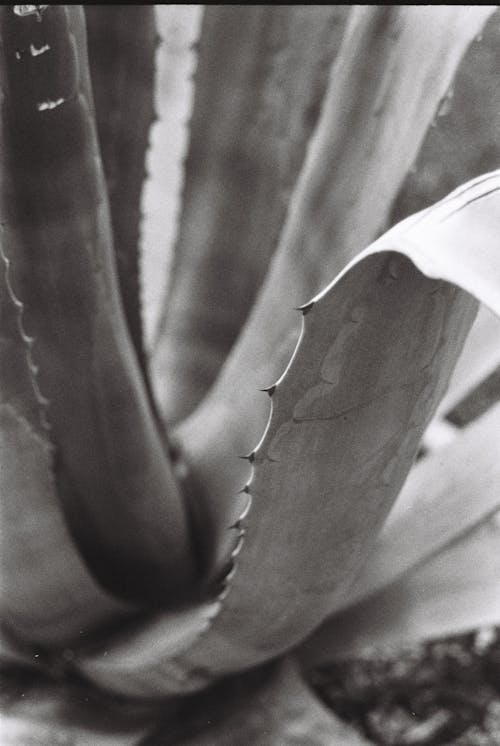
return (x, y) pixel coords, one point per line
(157, 588)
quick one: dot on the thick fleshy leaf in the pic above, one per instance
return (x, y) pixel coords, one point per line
(454, 592)
(270, 707)
(47, 595)
(115, 484)
(445, 496)
(121, 44)
(178, 27)
(479, 359)
(135, 660)
(477, 401)
(346, 423)
(395, 65)
(261, 76)
(377, 350)
(464, 140)
(480, 356)
(454, 239)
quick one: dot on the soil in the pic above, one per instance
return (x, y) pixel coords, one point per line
(440, 692)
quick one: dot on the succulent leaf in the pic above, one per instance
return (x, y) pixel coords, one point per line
(121, 49)
(148, 648)
(346, 422)
(454, 239)
(446, 495)
(477, 401)
(464, 140)
(376, 353)
(455, 591)
(115, 484)
(86, 489)
(47, 594)
(273, 706)
(178, 27)
(261, 76)
(392, 71)
(480, 356)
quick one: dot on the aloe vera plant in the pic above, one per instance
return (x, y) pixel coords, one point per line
(179, 547)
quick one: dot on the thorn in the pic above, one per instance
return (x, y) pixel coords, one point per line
(222, 575)
(248, 457)
(223, 593)
(230, 574)
(237, 549)
(305, 308)
(245, 489)
(239, 522)
(269, 390)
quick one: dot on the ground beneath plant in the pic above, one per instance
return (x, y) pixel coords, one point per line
(442, 692)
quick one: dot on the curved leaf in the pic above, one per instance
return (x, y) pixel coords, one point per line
(346, 422)
(178, 27)
(47, 594)
(273, 706)
(464, 140)
(377, 350)
(454, 592)
(261, 76)
(135, 660)
(121, 49)
(478, 401)
(116, 487)
(446, 495)
(395, 65)
(480, 356)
